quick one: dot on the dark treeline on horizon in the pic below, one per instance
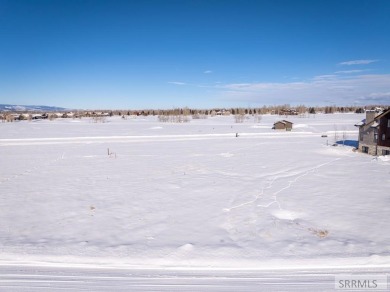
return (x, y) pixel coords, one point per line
(285, 109)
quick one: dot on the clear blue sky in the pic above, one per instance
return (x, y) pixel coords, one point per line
(164, 54)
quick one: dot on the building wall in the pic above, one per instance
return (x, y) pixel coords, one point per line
(370, 116)
(366, 135)
(380, 148)
(288, 125)
(371, 148)
(384, 129)
(279, 126)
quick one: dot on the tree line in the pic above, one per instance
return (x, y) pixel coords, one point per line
(179, 113)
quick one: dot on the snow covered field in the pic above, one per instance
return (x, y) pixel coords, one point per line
(191, 196)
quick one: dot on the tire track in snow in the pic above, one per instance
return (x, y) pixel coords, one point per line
(149, 138)
(304, 174)
(31, 170)
(270, 183)
(307, 228)
(274, 195)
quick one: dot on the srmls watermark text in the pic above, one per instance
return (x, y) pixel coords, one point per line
(361, 282)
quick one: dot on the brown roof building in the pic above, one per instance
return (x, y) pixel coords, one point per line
(283, 125)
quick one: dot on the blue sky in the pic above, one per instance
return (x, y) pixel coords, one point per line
(164, 54)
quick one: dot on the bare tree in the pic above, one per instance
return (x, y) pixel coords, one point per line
(239, 118)
(344, 136)
(336, 134)
(162, 118)
(257, 118)
(199, 116)
(98, 119)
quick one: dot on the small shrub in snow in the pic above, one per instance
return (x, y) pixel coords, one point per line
(98, 119)
(239, 118)
(257, 118)
(199, 116)
(319, 233)
(162, 118)
(173, 118)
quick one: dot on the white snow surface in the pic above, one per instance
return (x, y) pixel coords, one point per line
(192, 195)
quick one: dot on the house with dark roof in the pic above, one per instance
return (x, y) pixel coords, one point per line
(383, 128)
(283, 125)
(374, 133)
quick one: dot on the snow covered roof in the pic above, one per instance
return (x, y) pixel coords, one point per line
(283, 122)
(361, 123)
(382, 114)
(374, 124)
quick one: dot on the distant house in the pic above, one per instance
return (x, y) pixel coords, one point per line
(283, 125)
(57, 115)
(100, 114)
(14, 117)
(37, 116)
(24, 117)
(288, 112)
(374, 133)
(68, 115)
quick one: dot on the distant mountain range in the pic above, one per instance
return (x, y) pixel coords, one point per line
(43, 108)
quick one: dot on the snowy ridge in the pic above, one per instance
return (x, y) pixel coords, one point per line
(44, 108)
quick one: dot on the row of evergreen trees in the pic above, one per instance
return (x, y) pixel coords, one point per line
(277, 110)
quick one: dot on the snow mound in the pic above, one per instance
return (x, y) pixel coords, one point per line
(186, 247)
(227, 154)
(301, 126)
(286, 215)
(384, 158)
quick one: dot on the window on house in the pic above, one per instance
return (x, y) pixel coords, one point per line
(361, 136)
(365, 149)
(383, 137)
(385, 152)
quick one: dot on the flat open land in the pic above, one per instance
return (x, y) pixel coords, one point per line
(136, 193)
